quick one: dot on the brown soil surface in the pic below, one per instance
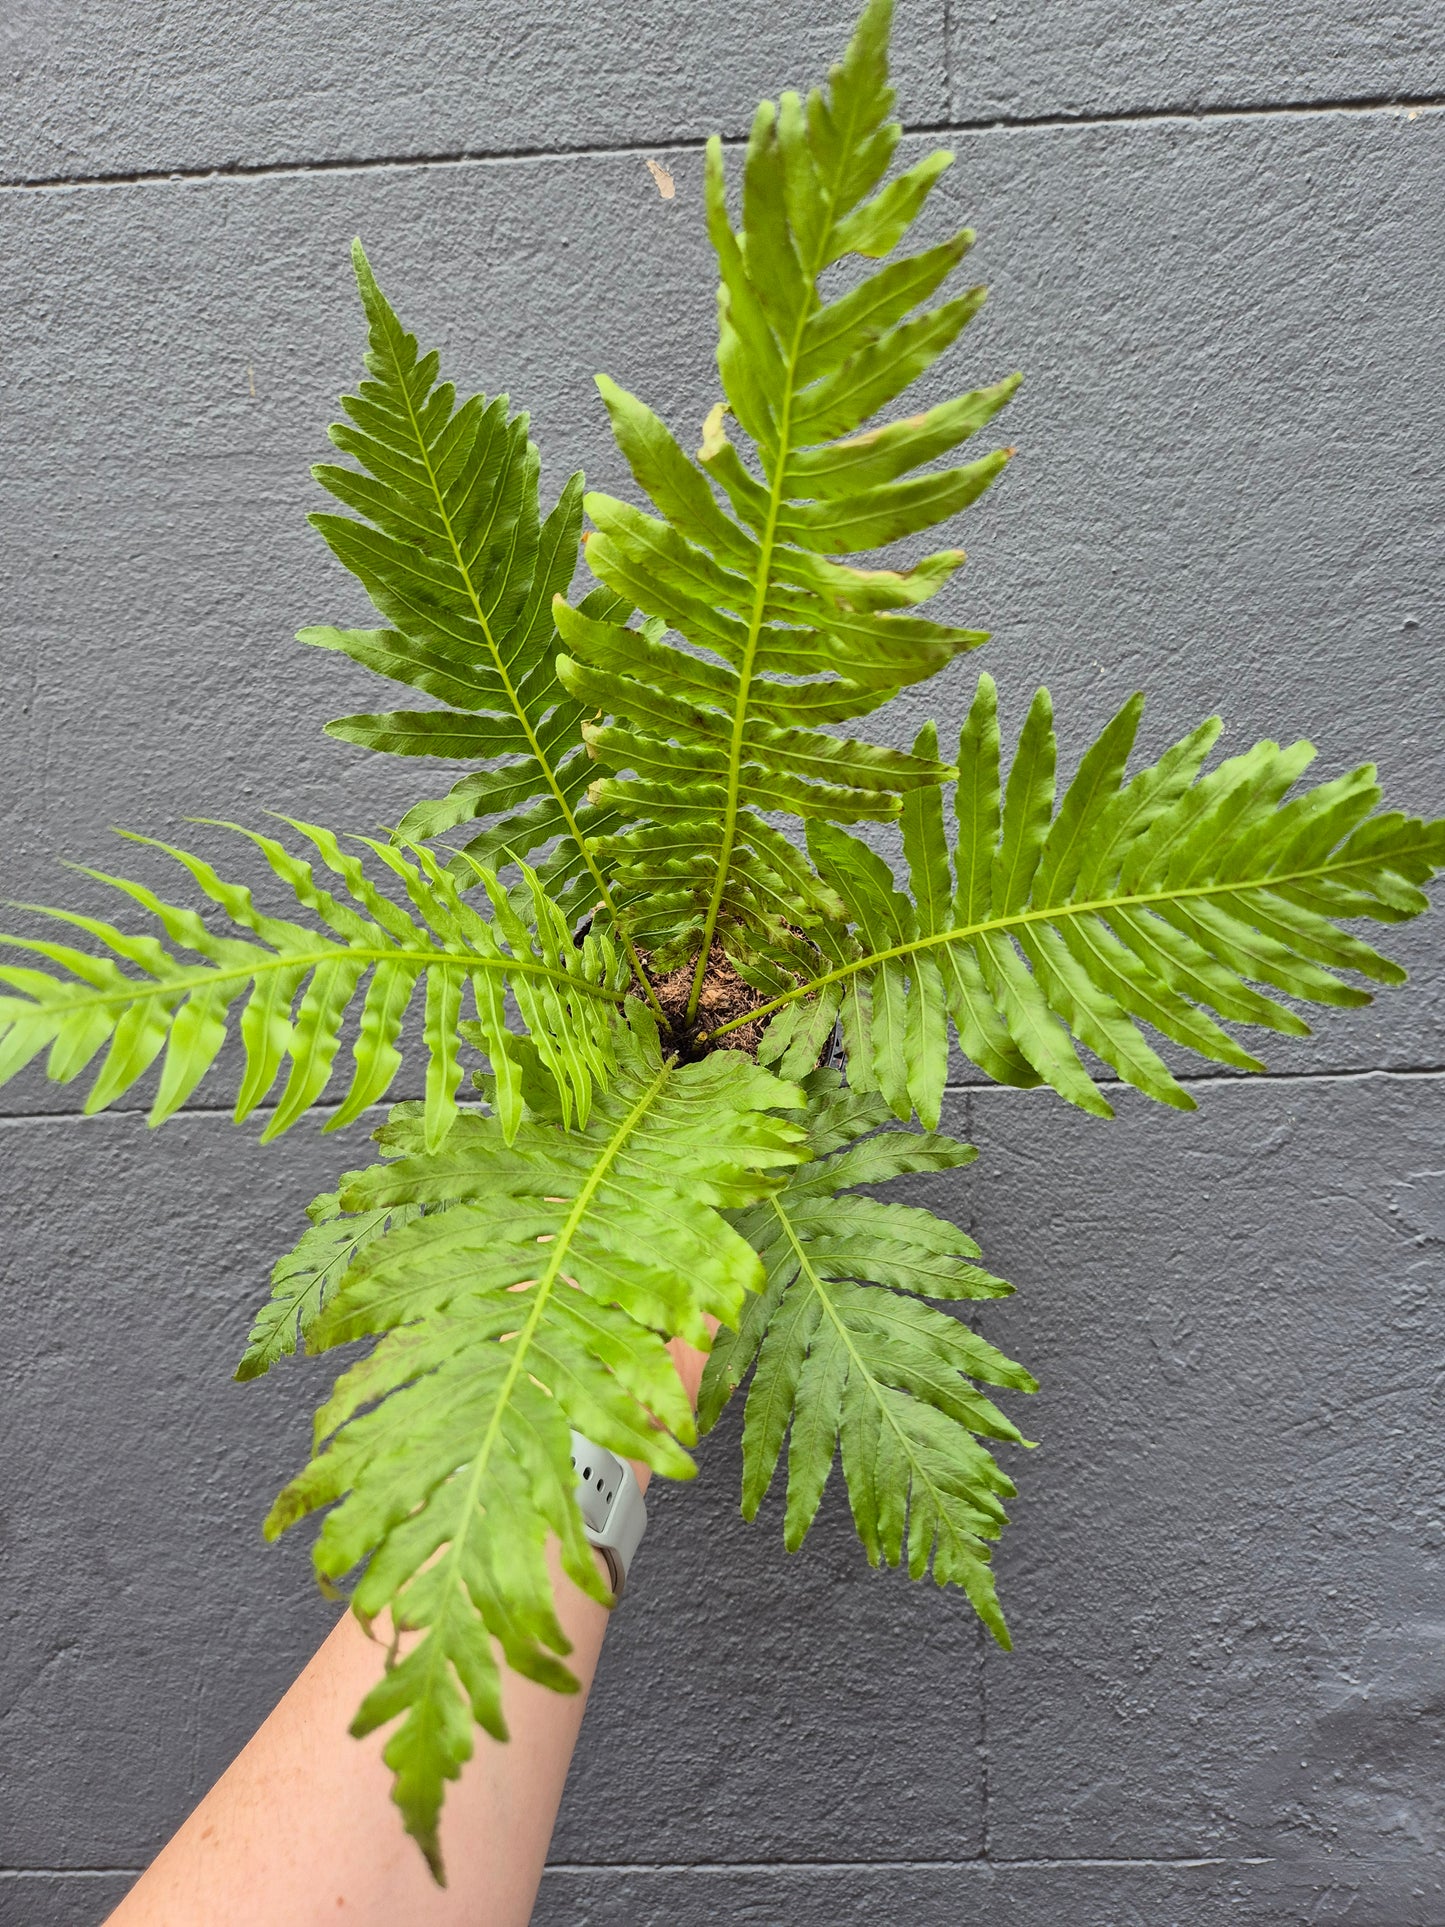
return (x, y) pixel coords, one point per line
(724, 996)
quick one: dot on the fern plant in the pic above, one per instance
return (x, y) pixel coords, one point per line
(702, 1013)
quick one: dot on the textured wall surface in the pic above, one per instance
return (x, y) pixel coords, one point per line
(1214, 236)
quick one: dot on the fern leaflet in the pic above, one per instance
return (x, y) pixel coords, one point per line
(518, 1266)
(305, 1279)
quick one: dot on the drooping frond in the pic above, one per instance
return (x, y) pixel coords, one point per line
(1168, 899)
(451, 547)
(177, 1007)
(534, 1294)
(741, 561)
(844, 1352)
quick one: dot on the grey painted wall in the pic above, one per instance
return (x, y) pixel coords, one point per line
(1214, 236)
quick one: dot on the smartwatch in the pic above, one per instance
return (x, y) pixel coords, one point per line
(613, 1511)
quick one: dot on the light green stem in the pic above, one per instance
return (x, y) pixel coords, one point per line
(206, 976)
(917, 1469)
(768, 541)
(540, 1294)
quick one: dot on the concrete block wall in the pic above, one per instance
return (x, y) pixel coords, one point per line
(1214, 237)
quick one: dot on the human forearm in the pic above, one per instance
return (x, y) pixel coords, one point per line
(300, 1829)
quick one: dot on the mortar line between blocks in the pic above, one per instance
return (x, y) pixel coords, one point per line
(987, 1776)
(70, 1873)
(975, 1864)
(13, 1119)
(505, 157)
(1255, 1082)
(980, 1636)
(966, 1091)
(948, 57)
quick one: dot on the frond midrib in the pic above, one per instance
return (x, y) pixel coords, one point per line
(541, 1294)
(203, 976)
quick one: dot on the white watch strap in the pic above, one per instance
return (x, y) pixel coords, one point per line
(613, 1510)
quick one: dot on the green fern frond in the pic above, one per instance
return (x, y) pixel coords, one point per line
(1153, 901)
(534, 1294)
(305, 1279)
(446, 537)
(740, 561)
(843, 1352)
(178, 1009)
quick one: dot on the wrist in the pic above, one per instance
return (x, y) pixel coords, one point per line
(611, 1488)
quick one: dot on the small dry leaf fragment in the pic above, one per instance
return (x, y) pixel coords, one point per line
(666, 185)
(714, 435)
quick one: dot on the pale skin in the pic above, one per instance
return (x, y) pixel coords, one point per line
(300, 1829)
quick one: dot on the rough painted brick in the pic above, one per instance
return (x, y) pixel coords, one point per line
(59, 1900)
(147, 1629)
(1220, 493)
(96, 87)
(1085, 1896)
(1081, 1895)
(1224, 1578)
(755, 1706)
(1221, 1577)
(1108, 57)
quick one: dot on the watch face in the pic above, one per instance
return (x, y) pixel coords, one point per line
(599, 1479)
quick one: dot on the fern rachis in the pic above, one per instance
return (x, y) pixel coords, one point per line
(767, 539)
(178, 1012)
(1152, 901)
